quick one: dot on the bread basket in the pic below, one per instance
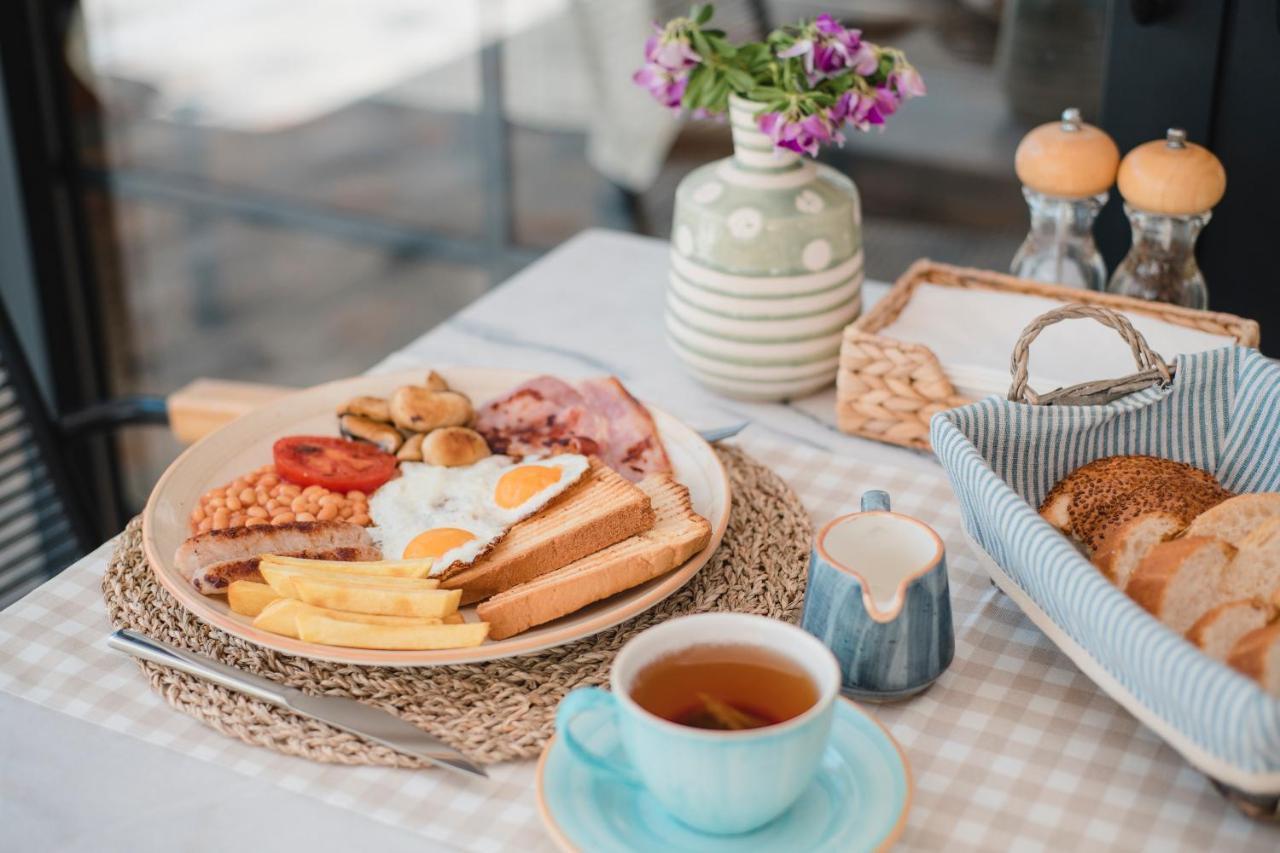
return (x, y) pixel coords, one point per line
(1218, 410)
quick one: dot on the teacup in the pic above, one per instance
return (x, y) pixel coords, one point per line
(719, 782)
(878, 597)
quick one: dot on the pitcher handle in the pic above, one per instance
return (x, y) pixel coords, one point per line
(875, 500)
(591, 701)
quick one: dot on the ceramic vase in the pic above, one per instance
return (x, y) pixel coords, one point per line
(766, 268)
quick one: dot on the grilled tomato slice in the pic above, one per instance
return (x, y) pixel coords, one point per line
(336, 464)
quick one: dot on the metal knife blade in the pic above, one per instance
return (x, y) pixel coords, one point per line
(711, 436)
(338, 711)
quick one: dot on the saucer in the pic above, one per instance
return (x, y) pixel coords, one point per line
(858, 801)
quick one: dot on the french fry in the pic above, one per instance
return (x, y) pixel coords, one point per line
(281, 579)
(318, 628)
(280, 617)
(370, 598)
(249, 597)
(373, 568)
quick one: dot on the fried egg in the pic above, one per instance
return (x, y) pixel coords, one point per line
(454, 515)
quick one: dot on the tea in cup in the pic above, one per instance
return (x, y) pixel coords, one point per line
(722, 717)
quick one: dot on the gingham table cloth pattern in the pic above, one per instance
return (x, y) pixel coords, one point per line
(1013, 748)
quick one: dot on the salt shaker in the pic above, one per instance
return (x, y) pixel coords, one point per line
(1169, 187)
(1066, 168)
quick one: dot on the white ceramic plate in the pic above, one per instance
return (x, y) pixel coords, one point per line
(246, 443)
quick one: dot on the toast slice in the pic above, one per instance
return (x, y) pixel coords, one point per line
(1257, 655)
(1255, 571)
(602, 509)
(678, 534)
(1180, 580)
(1217, 632)
(1121, 552)
(1235, 518)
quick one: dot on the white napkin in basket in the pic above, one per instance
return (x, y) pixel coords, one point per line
(973, 333)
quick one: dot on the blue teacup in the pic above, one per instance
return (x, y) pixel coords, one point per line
(719, 782)
(878, 598)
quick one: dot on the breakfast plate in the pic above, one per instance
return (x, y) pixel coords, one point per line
(246, 444)
(859, 800)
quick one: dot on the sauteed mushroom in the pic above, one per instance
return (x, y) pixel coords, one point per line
(386, 437)
(373, 408)
(421, 410)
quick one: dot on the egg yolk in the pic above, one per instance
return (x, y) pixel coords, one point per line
(436, 542)
(519, 484)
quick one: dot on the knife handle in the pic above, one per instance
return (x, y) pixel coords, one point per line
(142, 646)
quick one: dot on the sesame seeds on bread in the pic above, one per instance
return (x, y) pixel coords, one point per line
(1101, 496)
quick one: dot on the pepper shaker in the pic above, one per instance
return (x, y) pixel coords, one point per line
(1169, 187)
(1066, 168)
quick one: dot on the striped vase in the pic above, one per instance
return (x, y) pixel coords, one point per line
(766, 268)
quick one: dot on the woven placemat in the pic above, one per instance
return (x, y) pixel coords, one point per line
(496, 711)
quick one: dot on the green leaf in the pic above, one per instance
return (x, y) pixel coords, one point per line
(702, 14)
(739, 79)
(701, 45)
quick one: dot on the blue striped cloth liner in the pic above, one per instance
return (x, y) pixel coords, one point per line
(1222, 414)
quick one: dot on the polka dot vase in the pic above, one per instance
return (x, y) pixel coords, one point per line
(766, 268)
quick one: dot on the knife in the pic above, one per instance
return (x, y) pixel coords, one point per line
(338, 711)
(711, 436)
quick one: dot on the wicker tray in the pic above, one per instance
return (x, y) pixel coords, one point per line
(888, 389)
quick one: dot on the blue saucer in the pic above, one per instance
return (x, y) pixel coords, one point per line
(858, 801)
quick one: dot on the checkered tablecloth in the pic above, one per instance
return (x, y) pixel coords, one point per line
(1013, 748)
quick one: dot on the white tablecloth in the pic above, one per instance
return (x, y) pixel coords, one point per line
(113, 768)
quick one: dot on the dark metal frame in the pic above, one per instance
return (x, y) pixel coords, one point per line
(1212, 68)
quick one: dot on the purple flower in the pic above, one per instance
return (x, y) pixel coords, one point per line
(671, 51)
(801, 134)
(908, 82)
(667, 88)
(668, 59)
(829, 49)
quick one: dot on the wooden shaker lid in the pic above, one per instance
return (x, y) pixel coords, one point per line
(1067, 158)
(1172, 176)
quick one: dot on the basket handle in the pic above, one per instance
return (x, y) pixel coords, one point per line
(1152, 369)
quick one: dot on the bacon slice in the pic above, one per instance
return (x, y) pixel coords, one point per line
(633, 449)
(549, 415)
(543, 415)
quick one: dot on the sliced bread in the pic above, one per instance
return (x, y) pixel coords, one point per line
(1087, 502)
(1235, 518)
(1255, 570)
(678, 534)
(1180, 494)
(1257, 655)
(1179, 580)
(602, 509)
(1217, 631)
(1123, 549)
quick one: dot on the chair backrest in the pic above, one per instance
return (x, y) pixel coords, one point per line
(43, 525)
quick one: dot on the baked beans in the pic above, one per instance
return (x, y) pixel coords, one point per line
(261, 497)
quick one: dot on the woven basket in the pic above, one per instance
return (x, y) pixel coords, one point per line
(889, 389)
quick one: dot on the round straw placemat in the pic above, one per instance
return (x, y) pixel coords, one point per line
(496, 711)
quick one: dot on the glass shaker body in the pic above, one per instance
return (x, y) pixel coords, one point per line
(1161, 264)
(1059, 247)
